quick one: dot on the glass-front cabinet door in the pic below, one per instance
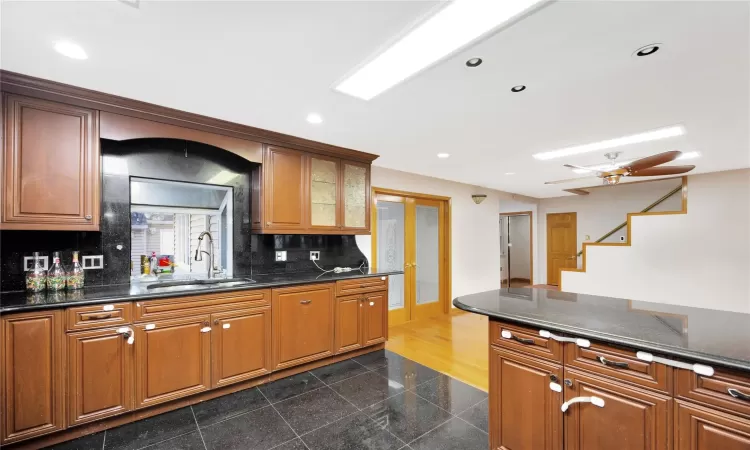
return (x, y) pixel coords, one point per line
(324, 192)
(355, 195)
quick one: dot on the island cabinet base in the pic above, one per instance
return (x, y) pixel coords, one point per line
(553, 394)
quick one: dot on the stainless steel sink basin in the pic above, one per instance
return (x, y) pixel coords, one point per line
(188, 285)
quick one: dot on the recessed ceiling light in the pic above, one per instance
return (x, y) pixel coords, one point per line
(314, 118)
(70, 50)
(510, 173)
(473, 62)
(518, 88)
(443, 155)
(647, 50)
(655, 135)
(451, 28)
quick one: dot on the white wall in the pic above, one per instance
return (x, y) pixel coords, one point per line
(475, 228)
(700, 259)
(602, 210)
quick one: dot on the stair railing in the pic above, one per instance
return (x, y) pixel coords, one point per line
(646, 209)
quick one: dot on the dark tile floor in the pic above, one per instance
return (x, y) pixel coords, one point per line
(377, 401)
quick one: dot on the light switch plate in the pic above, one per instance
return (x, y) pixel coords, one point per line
(92, 262)
(281, 255)
(28, 262)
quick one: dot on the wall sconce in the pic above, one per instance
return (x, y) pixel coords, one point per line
(478, 198)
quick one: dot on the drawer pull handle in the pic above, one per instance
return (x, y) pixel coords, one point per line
(508, 335)
(606, 362)
(205, 329)
(128, 334)
(305, 302)
(596, 401)
(738, 395)
(97, 316)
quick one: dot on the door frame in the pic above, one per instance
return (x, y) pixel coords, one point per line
(546, 243)
(531, 243)
(446, 238)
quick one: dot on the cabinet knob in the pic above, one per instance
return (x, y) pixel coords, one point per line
(553, 378)
(568, 382)
(205, 324)
(268, 224)
(216, 321)
(88, 217)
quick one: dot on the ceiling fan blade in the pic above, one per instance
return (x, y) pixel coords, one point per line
(656, 171)
(653, 160)
(573, 166)
(577, 191)
(569, 180)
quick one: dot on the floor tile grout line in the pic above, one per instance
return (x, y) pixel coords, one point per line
(294, 396)
(104, 440)
(285, 421)
(335, 392)
(286, 442)
(475, 404)
(428, 431)
(238, 415)
(200, 433)
(471, 424)
(165, 440)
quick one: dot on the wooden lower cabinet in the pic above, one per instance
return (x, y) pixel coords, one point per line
(348, 326)
(173, 359)
(375, 318)
(33, 392)
(524, 411)
(631, 418)
(100, 381)
(240, 345)
(303, 319)
(698, 428)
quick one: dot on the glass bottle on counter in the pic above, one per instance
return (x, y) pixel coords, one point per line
(75, 274)
(56, 274)
(36, 279)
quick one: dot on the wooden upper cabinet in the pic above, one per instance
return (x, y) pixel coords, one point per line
(355, 188)
(100, 375)
(32, 393)
(50, 166)
(630, 418)
(524, 411)
(285, 190)
(240, 345)
(325, 193)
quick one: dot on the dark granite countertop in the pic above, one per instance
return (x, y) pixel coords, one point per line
(707, 336)
(22, 301)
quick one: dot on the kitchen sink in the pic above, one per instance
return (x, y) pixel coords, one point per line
(187, 285)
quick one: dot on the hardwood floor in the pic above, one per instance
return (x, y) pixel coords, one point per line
(455, 344)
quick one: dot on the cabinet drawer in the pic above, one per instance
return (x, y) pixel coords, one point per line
(99, 316)
(149, 310)
(525, 340)
(619, 363)
(715, 390)
(360, 285)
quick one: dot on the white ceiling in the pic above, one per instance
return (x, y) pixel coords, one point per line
(269, 64)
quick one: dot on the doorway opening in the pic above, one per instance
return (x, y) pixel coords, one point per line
(516, 249)
(411, 232)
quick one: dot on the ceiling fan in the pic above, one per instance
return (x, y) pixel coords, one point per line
(644, 167)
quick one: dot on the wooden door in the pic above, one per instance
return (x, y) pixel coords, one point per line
(631, 418)
(324, 203)
(100, 375)
(375, 318)
(51, 166)
(302, 324)
(562, 245)
(705, 429)
(428, 258)
(285, 193)
(32, 374)
(524, 410)
(355, 196)
(348, 328)
(240, 345)
(172, 359)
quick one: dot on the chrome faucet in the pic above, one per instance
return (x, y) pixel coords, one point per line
(210, 252)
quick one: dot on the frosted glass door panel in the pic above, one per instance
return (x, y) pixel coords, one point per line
(390, 236)
(428, 251)
(323, 192)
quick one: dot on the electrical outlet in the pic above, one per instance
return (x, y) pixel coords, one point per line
(29, 262)
(314, 256)
(281, 256)
(92, 262)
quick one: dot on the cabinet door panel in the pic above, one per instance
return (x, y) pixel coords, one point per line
(705, 429)
(375, 318)
(303, 324)
(172, 359)
(241, 345)
(524, 410)
(355, 188)
(100, 382)
(348, 330)
(285, 188)
(32, 371)
(324, 191)
(631, 418)
(51, 166)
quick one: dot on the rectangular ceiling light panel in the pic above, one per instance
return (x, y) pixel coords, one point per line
(655, 135)
(450, 29)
